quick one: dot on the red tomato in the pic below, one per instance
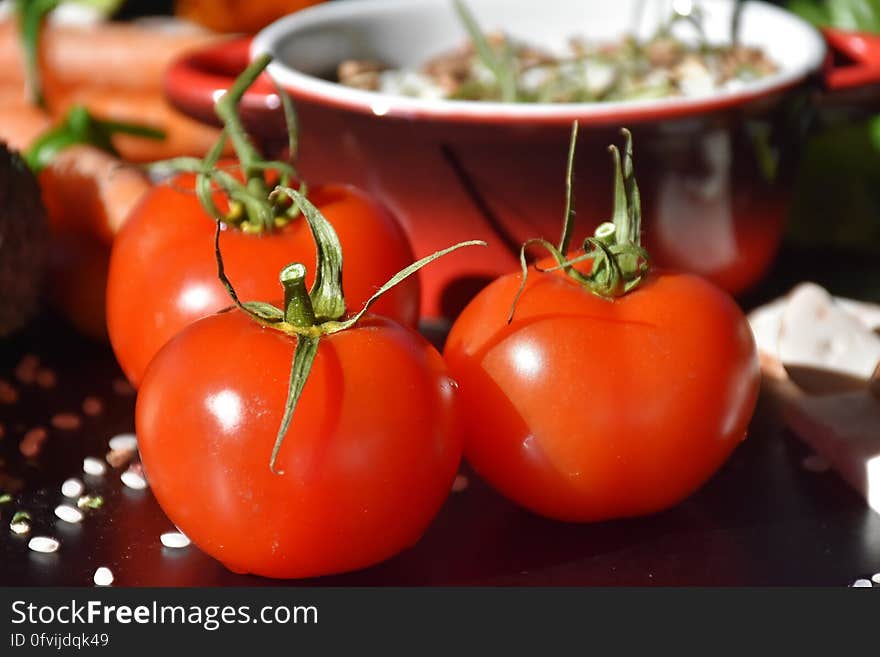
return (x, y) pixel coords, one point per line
(369, 458)
(586, 409)
(163, 275)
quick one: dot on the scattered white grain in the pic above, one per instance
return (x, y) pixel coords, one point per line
(103, 576)
(68, 513)
(174, 540)
(134, 480)
(20, 527)
(862, 583)
(72, 488)
(460, 484)
(126, 442)
(43, 544)
(876, 578)
(94, 466)
(815, 463)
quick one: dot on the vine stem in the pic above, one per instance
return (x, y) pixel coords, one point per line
(619, 263)
(227, 110)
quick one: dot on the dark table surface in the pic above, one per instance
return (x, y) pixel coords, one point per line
(762, 520)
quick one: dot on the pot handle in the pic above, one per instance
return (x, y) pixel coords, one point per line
(194, 81)
(863, 51)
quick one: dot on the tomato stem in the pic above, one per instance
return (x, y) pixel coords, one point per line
(298, 310)
(619, 263)
(568, 218)
(326, 294)
(226, 109)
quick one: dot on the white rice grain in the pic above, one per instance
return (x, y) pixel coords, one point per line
(103, 576)
(72, 488)
(126, 442)
(174, 540)
(21, 527)
(68, 513)
(43, 544)
(133, 480)
(94, 466)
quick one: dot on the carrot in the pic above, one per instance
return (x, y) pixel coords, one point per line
(183, 135)
(88, 194)
(20, 122)
(120, 55)
(86, 189)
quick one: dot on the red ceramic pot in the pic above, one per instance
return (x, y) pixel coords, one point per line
(714, 170)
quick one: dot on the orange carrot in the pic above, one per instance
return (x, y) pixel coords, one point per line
(87, 189)
(88, 195)
(121, 55)
(20, 122)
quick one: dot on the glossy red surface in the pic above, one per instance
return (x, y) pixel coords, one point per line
(763, 519)
(585, 409)
(163, 272)
(863, 51)
(360, 475)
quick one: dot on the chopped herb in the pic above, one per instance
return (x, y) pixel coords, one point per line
(495, 67)
(20, 516)
(90, 502)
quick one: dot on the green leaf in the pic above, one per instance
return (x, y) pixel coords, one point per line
(265, 311)
(398, 278)
(328, 300)
(501, 65)
(861, 15)
(80, 127)
(303, 359)
(31, 14)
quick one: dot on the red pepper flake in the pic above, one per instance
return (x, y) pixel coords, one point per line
(46, 379)
(32, 442)
(117, 458)
(92, 406)
(122, 388)
(8, 393)
(66, 421)
(26, 370)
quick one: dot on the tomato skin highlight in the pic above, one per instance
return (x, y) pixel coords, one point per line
(163, 273)
(585, 409)
(372, 451)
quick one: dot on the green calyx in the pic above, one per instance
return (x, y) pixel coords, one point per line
(619, 263)
(253, 208)
(309, 315)
(80, 127)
